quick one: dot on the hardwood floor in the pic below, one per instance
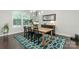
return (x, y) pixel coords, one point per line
(3, 43)
(9, 43)
(71, 45)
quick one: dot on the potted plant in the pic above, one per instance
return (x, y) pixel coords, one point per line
(5, 28)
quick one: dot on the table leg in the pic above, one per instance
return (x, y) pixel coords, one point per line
(51, 34)
(43, 41)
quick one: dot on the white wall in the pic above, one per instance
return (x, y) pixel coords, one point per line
(67, 22)
(6, 17)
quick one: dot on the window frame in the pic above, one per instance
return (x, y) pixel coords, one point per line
(22, 23)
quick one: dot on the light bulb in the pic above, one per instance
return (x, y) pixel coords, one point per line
(41, 11)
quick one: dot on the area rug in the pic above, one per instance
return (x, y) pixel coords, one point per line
(55, 43)
(27, 43)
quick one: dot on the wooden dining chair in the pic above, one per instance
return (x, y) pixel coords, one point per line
(28, 32)
(37, 35)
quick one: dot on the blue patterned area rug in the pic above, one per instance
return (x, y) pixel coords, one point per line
(27, 43)
(55, 43)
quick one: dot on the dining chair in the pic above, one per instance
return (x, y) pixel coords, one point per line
(25, 31)
(28, 32)
(37, 35)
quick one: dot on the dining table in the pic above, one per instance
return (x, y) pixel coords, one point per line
(44, 31)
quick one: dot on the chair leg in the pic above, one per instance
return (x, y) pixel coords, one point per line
(28, 36)
(38, 40)
(34, 38)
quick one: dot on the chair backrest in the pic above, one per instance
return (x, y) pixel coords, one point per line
(27, 29)
(35, 27)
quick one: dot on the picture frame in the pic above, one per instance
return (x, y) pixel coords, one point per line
(50, 17)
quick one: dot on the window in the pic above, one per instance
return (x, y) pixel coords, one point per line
(16, 20)
(16, 16)
(20, 18)
(25, 19)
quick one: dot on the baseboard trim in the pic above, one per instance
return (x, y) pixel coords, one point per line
(10, 33)
(63, 35)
